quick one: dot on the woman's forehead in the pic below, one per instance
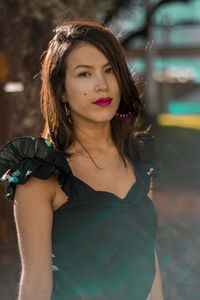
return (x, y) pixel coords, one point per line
(86, 54)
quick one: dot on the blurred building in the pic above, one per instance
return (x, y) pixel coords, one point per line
(169, 56)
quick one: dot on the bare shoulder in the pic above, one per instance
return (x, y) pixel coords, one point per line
(41, 193)
(37, 189)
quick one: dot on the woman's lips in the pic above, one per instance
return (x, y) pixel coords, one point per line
(103, 101)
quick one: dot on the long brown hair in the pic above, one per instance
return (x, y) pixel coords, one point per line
(66, 37)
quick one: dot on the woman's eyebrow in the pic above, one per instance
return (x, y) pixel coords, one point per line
(88, 66)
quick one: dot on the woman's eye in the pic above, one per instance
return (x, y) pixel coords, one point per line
(84, 74)
(109, 70)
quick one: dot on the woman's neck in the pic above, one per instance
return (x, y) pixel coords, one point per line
(94, 138)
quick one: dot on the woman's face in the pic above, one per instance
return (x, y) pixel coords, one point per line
(89, 76)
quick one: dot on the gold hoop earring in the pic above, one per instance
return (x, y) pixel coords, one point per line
(68, 113)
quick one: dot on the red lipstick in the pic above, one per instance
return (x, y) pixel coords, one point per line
(103, 101)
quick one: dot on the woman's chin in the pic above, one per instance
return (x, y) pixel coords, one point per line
(99, 117)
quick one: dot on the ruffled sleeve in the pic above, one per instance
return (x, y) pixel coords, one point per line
(23, 157)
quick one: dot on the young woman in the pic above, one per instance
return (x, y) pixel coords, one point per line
(81, 192)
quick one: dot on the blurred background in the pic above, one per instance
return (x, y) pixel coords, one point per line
(161, 39)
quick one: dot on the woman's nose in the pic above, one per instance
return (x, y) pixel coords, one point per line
(101, 83)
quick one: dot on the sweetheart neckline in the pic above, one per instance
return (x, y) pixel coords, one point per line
(99, 191)
(102, 191)
(107, 192)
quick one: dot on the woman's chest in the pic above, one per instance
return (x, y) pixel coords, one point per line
(109, 175)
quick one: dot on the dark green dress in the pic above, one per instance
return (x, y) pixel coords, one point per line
(102, 246)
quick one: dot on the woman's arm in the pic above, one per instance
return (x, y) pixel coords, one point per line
(156, 290)
(33, 218)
